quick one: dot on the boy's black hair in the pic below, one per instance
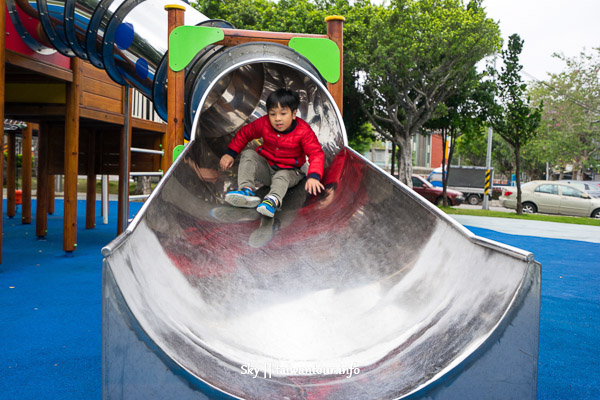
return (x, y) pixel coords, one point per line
(283, 98)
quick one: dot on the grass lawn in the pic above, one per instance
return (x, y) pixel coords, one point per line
(535, 217)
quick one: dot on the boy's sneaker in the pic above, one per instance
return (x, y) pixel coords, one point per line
(266, 208)
(242, 198)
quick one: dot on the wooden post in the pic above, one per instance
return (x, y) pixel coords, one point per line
(51, 193)
(27, 134)
(335, 31)
(90, 199)
(11, 174)
(41, 215)
(124, 163)
(175, 99)
(72, 156)
(2, 66)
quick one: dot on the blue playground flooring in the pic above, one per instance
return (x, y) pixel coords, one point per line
(51, 311)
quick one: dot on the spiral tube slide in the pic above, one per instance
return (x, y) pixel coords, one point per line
(365, 292)
(126, 38)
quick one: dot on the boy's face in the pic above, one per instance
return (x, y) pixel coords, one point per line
(281, 118)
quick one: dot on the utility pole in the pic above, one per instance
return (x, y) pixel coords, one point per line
(488, 165)
(488, 173)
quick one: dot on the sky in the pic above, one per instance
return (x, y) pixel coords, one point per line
(547, 27)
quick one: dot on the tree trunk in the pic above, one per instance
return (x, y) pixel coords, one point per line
(392, 169)
(449, 161)
(405, 160)
(580, 170)
(445, 169)
(575, 170)
(142, 185)
(518, 178)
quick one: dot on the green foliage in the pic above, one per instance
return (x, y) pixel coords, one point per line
(467, 109)
(401, 61)
(283, 16)
(19, 159)
(569, 131)
(472, 146)
(514, 118)
(415, 54)
(412, 57)
(465, 112)
(362, 138)
(533, 159)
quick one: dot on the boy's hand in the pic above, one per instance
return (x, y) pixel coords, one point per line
(226, 162)
(313, 186)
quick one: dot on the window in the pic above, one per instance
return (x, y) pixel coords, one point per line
(571, 192)
(547, 188)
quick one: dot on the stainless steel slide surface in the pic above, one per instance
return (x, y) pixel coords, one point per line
(363, 292)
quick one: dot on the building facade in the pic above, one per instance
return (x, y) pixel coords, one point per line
(426, 150)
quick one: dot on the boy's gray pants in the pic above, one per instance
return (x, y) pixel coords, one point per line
(254, 167)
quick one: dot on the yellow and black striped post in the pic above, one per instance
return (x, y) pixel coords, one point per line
(488, 175)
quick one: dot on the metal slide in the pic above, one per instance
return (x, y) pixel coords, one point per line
(365, 292)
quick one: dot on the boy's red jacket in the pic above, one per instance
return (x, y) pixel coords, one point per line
(284, 150)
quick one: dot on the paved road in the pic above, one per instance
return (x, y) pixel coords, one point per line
(494, 206)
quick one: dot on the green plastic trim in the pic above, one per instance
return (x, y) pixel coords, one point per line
(186, 41)
(177, 151)
(322, 53)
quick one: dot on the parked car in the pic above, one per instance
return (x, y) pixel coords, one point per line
(590, 187)
(468, 180)
(552, 197)
(435, 194)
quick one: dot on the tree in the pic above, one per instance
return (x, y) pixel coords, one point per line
(472, 146)
(569, 130)
(464, 112)
(283, 16)
(533, 159)
(515, 120)
(414, 56)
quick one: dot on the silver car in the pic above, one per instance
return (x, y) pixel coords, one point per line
(590, 187)
(552, 197)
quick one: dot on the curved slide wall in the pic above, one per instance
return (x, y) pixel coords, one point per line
(365, 292)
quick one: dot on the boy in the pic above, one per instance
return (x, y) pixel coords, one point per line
(287, 140)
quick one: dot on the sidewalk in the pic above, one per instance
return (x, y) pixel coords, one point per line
(494, 206)
(542, 229)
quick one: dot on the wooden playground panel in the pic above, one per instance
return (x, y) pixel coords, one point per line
(83, 121)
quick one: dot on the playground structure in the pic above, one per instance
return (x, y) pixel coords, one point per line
(77, 105)
(80, 117)
(366, 292)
